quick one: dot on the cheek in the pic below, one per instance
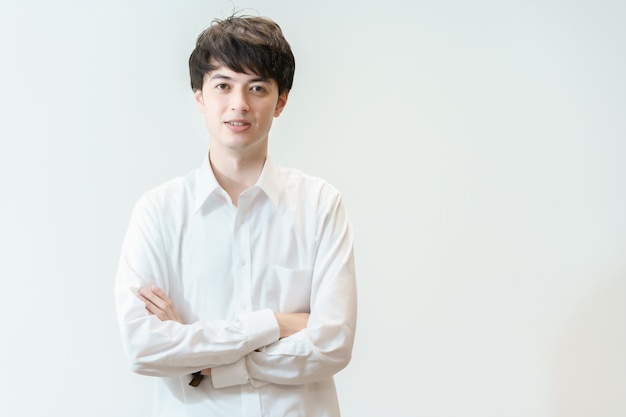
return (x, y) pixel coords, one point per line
(210, 120)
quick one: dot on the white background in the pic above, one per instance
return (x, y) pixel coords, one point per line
(480, 147)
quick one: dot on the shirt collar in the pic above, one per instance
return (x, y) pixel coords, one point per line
(206, 183)
(269, 181)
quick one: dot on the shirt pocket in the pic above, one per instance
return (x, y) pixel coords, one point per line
(288, 290)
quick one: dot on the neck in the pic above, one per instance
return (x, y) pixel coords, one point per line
(236, 173)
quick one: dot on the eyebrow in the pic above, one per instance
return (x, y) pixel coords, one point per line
(253, 80)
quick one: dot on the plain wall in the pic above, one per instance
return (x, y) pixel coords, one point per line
(480, 147)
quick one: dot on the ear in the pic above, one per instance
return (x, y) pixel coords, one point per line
(197, 95)
(282, 102)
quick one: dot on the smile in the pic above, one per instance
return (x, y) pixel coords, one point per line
(238, 126)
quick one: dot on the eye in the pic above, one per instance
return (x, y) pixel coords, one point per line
(221, 87)
(257, 89)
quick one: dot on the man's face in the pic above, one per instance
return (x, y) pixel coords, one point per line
(239, 109)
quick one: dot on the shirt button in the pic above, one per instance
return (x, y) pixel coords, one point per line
(242, 262)
(250, 389)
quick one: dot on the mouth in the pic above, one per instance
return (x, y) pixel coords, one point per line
(237, 126)
(237, 123)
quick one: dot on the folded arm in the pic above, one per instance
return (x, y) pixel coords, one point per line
(168, 347)
(158, 304)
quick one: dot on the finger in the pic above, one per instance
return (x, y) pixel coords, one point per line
(154, 310)
(164, 303)
(161, 305)
(150, 305)
(154, 298)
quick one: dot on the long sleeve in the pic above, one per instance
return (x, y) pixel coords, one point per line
(169, 348)
(325, 346)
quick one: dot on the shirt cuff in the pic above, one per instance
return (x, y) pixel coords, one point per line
(228, 375)
(262, 329)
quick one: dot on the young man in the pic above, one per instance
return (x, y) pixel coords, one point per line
(236, 284)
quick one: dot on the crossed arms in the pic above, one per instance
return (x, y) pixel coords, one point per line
(160, 305)
(161, 337)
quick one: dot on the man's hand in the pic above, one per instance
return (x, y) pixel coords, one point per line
(159, 304)
(291, 323)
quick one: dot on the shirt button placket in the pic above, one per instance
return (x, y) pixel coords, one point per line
(244, 267)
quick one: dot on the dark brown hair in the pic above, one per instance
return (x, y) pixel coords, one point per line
(243, 44)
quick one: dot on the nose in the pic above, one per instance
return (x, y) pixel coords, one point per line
(239, 100)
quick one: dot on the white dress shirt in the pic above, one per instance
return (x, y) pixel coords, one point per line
(287, 247)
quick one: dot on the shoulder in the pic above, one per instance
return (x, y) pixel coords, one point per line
(296, 177)
(166, 197)
(298, 184)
